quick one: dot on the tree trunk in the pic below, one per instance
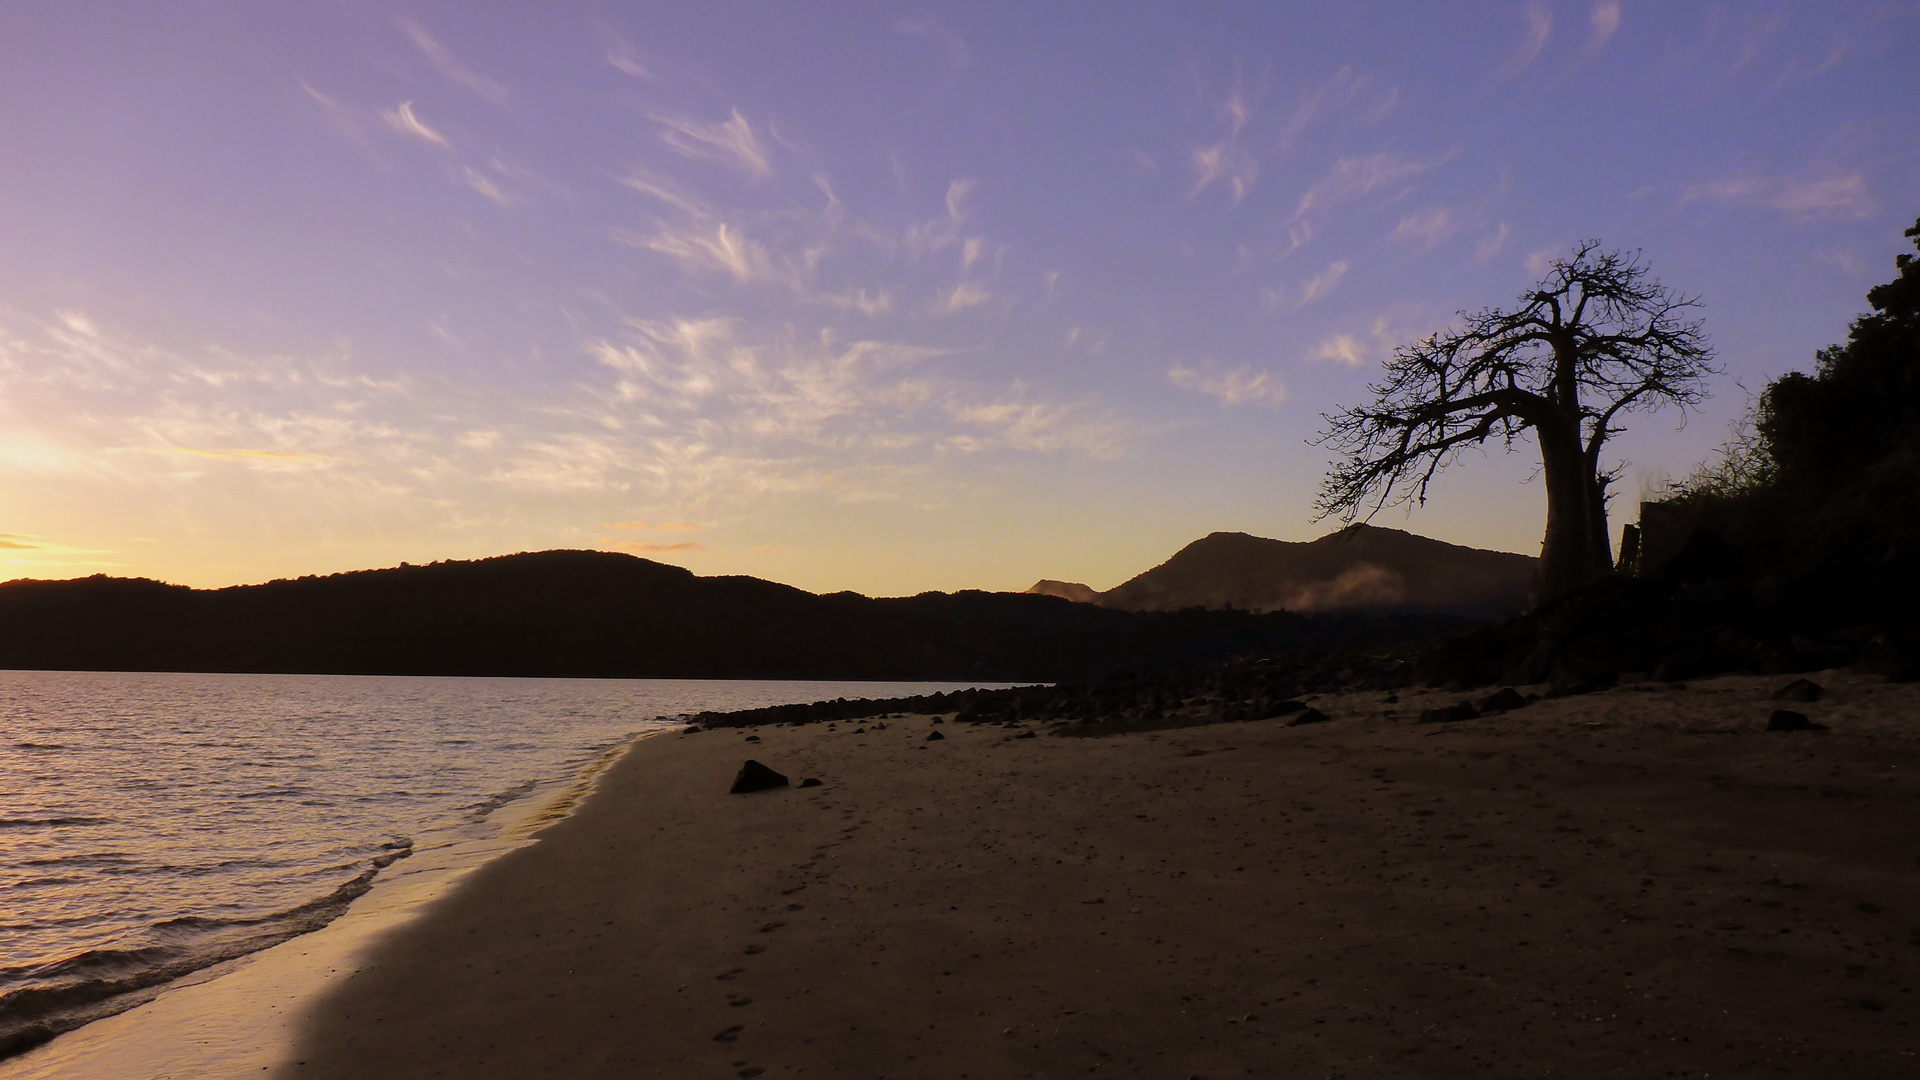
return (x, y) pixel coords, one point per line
(1600, 545)
(1570, 555)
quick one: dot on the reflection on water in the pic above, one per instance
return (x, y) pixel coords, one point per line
(151, 824)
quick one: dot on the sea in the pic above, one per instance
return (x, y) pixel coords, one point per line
(155, 824)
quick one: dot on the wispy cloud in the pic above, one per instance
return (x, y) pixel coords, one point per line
(1348, 96)
(1224, 161)
(1318, 287)
(1351, 178)
(731, 142)
(837, 397)
(1227, 163)
(627, 61)
(1539, 27)
(1040, 427)
(451, 68)
(1801, 196)
(1425, 229)
(961, 297)
(937, 234)
(148, 418)
(680, 547)
(865, 301)
(342, 121)
(256, 458)
(1235, 386)
(681, 421)
(1341, 348)
(1605, 19)
(722, 249)
(402, 119)
(1379, 339)
(668, 193)
(35, 555)
(484, 184)
(1255, 254)
(815, 248)
(928, 29)
(1492, 243)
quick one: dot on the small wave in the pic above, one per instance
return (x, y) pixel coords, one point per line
(98, 858)
(95, 962)
(479, 811)
(38, 883)
(50, 822)
(395, 850)
(99, 982)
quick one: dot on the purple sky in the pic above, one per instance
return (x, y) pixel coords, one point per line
(862, 296)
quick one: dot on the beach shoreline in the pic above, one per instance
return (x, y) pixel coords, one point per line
(239, 1017)
(1636, 882)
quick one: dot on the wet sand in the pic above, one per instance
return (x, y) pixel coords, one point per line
(1635, 883)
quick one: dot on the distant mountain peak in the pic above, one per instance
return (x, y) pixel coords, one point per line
(1359, 567)
(1065, 590)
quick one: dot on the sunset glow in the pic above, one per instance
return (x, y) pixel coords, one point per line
(858, 297)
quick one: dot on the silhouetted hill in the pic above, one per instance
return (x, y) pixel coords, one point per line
(590, 613)
(1358, 568)
(1065, 590)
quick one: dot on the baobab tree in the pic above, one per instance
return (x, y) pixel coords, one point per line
(1597, 339)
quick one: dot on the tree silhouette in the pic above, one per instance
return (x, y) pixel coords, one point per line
(1863, 401)
(1597, 339)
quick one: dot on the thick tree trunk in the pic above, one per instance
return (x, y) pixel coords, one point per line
(1575, 551)
(1600, 543)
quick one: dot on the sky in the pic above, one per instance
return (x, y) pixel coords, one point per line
(861, 295)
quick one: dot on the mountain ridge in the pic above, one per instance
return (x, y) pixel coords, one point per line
(606, 614)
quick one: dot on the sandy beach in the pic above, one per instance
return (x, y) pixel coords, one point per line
(1641, 882)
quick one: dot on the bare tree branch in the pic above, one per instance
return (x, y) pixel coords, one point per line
(1597, 339)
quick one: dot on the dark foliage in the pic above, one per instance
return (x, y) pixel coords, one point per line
(1862, 405)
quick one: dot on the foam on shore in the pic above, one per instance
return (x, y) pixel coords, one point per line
(239, 1017)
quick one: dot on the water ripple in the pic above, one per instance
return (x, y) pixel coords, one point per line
(156, 823)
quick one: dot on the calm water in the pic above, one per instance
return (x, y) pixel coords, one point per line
(152, 824)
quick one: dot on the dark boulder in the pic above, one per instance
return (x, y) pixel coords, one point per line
(1281, 708)
(1503, 701)
(934, 736)
(810, 781)
(1451, 714)
(1311, 716)
(755, 777)
(1799, 690)
(1788, 720)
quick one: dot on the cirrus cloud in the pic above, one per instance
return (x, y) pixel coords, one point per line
(1242, 385)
